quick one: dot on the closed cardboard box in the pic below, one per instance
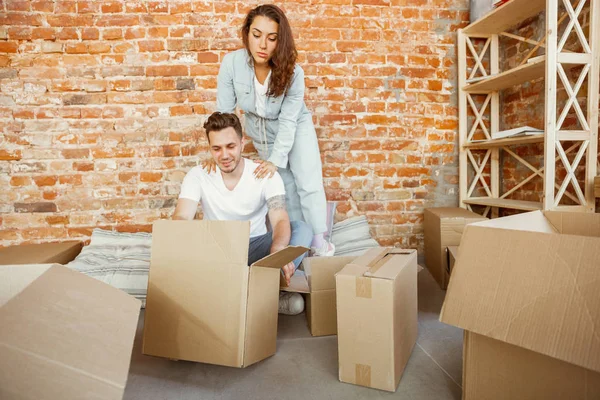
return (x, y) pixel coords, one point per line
(444, 227)
(320, 306)
(204, 303)
(377, 317)
(43, 253)
(525, 290)
(63, 335)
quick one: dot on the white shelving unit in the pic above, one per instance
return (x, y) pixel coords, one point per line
(552, 66)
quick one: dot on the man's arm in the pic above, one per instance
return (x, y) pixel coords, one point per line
(186, 209)
(280, 222)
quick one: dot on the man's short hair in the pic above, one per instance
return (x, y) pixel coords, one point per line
(219, 121)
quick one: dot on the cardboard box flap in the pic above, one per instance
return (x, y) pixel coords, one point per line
(42, 253)
(452, 256)
(298, 283)
(209, 241)
(321, 271)
(568, 223)
(15, 278)
(534, 290)
(534, 221)
(282, 257)
(385, 269)
(70, 333)
(453, 212)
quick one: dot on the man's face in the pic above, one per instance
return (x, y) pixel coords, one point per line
(226, 149)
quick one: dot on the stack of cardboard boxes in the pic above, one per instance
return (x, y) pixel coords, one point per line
(204, 304)
(524, 289)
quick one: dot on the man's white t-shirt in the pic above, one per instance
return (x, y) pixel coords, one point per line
(246, 202)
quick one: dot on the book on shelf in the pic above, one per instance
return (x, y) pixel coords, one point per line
(520, 131)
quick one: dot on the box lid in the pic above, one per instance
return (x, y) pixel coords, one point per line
(42, 253)
(453, 212)
(73, 333)
(375, 263)
(520, 281)
(321, 270)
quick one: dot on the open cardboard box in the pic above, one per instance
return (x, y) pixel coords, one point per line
(321, 312)
(63, 335)
(42, 253)
(204, 303)
(526, 290)
(377, 317)
(444, 227)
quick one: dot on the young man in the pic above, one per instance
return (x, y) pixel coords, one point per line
(232, 192)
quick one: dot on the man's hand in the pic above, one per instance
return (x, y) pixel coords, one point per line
(288, 271)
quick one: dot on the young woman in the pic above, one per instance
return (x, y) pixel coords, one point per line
(264, 81)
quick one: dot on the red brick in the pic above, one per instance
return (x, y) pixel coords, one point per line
(207, 57)
(158, 32)
(10, 154)
(57, 219)
(42, 5)
(70, 20)
(118, 20)
(45, 180)
(8, 47)
(167, 70)
(67, 34)
(43, 33)
(20, 180)
(7, 19)
(180, 110)
(151, 45)
(19, 33)
(135, 33)
(111, 7)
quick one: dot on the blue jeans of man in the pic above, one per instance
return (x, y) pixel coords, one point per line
(260, 246)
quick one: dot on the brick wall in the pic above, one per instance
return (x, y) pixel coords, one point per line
(101, 104)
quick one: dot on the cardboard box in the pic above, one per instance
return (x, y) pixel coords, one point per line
(377, 317)
(452, 253)
(204, 303)
(63, 335)
(525, 289)
(43, 253)
(320, 302)
(444, 227)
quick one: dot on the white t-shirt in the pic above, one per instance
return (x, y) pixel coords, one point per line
(246, 202)
(260, 95)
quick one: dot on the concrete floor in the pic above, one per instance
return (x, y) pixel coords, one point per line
(306, 368)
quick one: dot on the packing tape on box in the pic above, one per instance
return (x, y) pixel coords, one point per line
(363, 287)
(363, 375)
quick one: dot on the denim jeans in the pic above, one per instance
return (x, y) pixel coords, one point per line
(260, 246)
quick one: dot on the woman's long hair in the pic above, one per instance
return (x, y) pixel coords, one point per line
(284, 57)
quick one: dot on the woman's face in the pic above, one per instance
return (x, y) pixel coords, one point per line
(262, 39)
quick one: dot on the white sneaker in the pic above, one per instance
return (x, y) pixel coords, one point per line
(327, 250)
(290, 303)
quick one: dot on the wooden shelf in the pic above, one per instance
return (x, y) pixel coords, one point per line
(487, 144)
(504, 203)
(512, 77)
(597, 186)
(505, 17)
